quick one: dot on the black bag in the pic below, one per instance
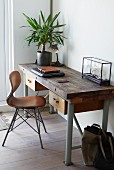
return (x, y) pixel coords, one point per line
(90, 143)
(104, 159)
(98, 148)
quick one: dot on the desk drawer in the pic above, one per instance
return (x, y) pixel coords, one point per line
(33, 84)
(61, 105)
(30, 82)
(57, 102)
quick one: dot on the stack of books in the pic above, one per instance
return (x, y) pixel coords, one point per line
(47, 71)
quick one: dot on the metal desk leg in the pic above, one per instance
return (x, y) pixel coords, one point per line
(52, 111)
(68, 151)
(105, 114)
(25, 92)
(25, 86)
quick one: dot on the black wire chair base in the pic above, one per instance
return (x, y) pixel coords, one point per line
(38, 118)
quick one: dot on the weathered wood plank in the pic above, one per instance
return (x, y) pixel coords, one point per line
(75, 87)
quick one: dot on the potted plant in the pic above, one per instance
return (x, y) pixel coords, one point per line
(42, 32)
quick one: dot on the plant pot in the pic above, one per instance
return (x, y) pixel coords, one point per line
(44, 58)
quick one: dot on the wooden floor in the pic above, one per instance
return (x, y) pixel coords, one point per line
(22, 149)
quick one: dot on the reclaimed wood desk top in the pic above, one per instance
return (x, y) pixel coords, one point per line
(76, 89)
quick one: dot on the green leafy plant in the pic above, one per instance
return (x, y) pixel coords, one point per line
(45, 30)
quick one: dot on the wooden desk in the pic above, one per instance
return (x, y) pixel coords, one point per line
(79, 95)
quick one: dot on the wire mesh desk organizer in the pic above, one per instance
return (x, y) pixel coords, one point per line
(97, 70)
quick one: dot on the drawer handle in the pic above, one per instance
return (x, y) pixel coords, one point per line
(57, 101)
(29, 81)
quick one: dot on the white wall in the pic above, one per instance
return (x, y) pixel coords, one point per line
(90, 32)
(2, 54)
(23, 53)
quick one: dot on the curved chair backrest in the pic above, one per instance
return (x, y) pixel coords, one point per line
(15, 80)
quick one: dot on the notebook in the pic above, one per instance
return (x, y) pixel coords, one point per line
(48, 69)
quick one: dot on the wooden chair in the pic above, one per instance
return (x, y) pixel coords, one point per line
(24, 103)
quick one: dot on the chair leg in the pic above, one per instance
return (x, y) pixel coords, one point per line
(42, 120)
(11, 125)
(38, 128)
(14, 119)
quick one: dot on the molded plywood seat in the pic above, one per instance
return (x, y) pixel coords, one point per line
(25, 103)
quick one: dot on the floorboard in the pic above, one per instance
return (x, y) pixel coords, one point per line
(22, 148)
